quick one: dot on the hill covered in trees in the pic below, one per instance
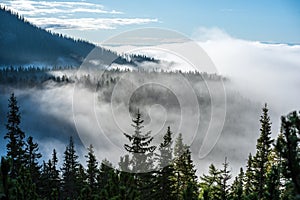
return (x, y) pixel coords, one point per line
(22, 43)
(272, 173)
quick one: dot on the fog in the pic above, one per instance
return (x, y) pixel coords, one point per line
(256, 73)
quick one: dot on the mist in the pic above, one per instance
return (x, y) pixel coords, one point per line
(250, 73)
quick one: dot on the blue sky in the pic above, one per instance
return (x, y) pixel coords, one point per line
(275, 21)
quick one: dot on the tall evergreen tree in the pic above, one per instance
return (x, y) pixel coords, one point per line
(15, 136)
(108, 181)
(165, 180)
(249, 179)
(92, 169)
(209, 184)
(141, 163)
(50, 180)
(128, 185)
(287, 145)
(237, 187)
(140, 147)
(70, 172)
(184, 168)
(225, 176)
(263, 150)
(32, 157)
(273, 183)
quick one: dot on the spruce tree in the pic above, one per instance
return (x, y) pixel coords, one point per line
(128, 185)
(166, 184)
(92, 170)
(141, 163)
(184, 168)
(179, 163)
(209, 184)
(108, 181)
(70, 172)
(140, 147)
(237, 187)
(287, 146)
(249, 179)
(32, 157)
(225, 176)
(263, 150)
(15, 136)
(273, 184)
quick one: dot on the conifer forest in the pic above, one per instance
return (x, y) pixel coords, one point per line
(273, 172)
(149, 100)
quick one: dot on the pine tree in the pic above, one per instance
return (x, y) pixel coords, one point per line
(128, 185)
(70, 172)
(263, 150)
(165, 180)
(225, 176)
(179, 163)
(237, 186)
(81, 183)
(287, 146)
(184, 168)
(15, 136)
(92, 170)
(209, 184)
(108, 181)
(179, 146)
(32, 157)
(249, 179)
(25, 188)
(141, 163)
(140, 148)
(54, 176)
(273, 183)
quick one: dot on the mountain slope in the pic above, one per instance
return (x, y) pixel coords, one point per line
(22, 43)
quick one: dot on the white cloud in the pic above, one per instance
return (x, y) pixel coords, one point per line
(87, 23)
(36, 8)
(57, 15)
(260, 71)
(263, 72)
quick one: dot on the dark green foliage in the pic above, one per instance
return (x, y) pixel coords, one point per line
(5, 168)
(141, 163)
(225, 176)
(238, 186)
(273, 184)
(32, 157)
(185, 172)
(92, 171)
(288, 148)
(166, 183)
(108, 181)
(215, 185)
(210, 184)
(249, 178)
(15, 137)
(70, 172)
(270, 174)
(50, 181)
(263, 150)
(140, 148)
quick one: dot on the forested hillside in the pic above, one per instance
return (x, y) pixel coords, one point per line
(271, 173)
(22, 43)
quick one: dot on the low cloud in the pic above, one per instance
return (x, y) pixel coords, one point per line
(262, 72)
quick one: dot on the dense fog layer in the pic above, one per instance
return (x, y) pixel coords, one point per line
(97, 109)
